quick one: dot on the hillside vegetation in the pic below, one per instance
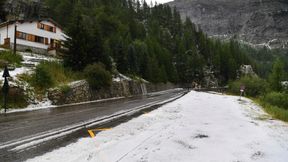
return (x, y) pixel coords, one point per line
(150, 42)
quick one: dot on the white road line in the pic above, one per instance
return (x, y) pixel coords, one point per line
(48, 135)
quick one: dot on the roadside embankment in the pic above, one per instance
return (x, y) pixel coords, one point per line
(80, 91)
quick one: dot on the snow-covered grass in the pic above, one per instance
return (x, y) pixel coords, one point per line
(28, 58)
(199, 127)
(29, 62)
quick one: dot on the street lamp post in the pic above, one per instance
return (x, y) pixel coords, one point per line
(5, 88)
(15, 35)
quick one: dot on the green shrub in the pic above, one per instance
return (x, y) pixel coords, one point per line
(42, 78)
(65, 89)
(277, 99)
(254, 86)
(24, 77)
(11, 58)
(275, 111)
(28, 50)
(52, 73)
(16, 98)
(97, 76)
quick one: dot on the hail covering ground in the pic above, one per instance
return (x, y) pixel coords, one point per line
(198, 127)
(30, 59)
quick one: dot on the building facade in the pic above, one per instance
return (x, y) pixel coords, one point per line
(40, 36)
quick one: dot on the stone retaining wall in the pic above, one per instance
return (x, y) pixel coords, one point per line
(80, 91)
(24, 48)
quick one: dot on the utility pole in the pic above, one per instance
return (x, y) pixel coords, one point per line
(15, 34)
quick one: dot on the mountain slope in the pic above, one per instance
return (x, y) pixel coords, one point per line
(255, 21)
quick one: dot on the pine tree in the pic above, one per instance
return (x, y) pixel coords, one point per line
(2, 11)
(132, 60)
(276, 75)
(77, 41)
(151, 42)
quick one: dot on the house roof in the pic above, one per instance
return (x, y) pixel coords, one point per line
(9, 22)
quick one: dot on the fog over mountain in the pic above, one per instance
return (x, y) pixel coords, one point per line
(255, 21)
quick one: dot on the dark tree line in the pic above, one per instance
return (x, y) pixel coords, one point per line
(2, 11)
(150, 42)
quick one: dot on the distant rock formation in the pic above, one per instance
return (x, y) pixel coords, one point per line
(247, 70)
(262, 22)
(25, 9)
(210, 81)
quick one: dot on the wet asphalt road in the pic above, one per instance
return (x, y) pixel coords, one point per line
(23, 125)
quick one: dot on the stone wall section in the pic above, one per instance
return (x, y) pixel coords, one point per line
(80, 91)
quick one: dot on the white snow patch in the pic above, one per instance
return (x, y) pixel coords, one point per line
(3, 49)
(198, 127)
(15, 72)
(116, 79)
(123, 77)
(32, 107)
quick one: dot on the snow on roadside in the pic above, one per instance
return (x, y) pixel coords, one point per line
(198, 127)
(28, 59)
(32, 107)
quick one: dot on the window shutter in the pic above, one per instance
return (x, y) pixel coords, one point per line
(32, 38)
(17, 34)
(45, 27)
(46, 41)
(29, 37)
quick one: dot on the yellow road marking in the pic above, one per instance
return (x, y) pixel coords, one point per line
(101, 129)
(91, 131)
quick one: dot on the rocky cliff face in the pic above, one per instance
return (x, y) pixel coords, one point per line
(254, 21)
(24, 9)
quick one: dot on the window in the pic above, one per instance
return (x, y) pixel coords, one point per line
(39, 39)
(51, 29)
(46, 27)
(21, 35)
(31, 38)
(42, 26)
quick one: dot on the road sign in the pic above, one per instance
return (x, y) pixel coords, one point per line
(242, 88)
